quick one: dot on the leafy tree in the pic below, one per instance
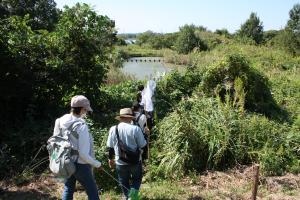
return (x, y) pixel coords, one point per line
(187, 40)
(41, 70)
(159, 41)
(252, 28)
(121, 41)
(293, 23)
(43, 13)
(288, 41)
(289, 38)
(144, 38)
(81, 43)
(156, 40)
(19, 65)
(169, 40)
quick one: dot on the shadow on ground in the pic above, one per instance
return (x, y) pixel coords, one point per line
(190, 198)
(195, 198)
(25, 195)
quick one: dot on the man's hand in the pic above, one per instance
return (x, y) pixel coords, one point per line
(111, 163)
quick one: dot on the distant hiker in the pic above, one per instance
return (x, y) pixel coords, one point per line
(148, 102)
(82, 145)
(141, 121)
(140, 97)
(125, 142)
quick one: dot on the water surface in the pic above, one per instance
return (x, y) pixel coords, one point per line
(145, 67)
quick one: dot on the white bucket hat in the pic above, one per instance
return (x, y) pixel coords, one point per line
(81, 101)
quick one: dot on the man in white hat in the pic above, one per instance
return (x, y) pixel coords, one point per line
(128, 162)
(82, 145)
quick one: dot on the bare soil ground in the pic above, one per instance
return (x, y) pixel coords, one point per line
(235, 184)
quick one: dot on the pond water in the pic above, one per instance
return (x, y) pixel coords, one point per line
(145, 67)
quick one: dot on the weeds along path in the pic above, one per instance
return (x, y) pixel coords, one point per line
(233, 184)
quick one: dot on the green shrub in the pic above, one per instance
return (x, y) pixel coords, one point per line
(211, 39)
(116, 76)
(41, 70)
(118, 57)
(220, 77)
(187, 40)
(104, 181)
(174, 87)
(114, 98)
(205, 133)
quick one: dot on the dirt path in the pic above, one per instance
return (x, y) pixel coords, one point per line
(232, 185)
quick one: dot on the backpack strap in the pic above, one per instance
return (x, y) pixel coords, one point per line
(118, 138)
(137, 122)
(70, 128)
(73, 128)
(117, 133)
(138, 119)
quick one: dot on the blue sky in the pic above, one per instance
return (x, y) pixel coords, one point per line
(133, 16)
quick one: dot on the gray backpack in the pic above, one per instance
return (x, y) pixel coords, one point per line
(61, 153)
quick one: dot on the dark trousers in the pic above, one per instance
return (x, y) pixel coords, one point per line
(150, 119)
(85, 177)
(127, 174)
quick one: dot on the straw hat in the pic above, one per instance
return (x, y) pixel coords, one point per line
(125, 113)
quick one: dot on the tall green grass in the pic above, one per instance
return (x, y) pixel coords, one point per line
(206, 133)
(233, 110)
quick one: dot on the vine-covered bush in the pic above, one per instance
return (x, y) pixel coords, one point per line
(220, 77)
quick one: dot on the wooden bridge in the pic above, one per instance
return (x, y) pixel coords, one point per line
(145, 60)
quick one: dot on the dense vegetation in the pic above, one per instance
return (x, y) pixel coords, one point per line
(213, 126)
(41, 70)
(237, 102)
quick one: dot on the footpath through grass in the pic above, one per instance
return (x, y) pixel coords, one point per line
(211, 185)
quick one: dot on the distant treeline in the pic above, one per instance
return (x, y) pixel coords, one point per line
(199, 38)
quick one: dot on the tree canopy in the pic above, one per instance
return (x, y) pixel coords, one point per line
(41, 70)
(187, 40)
(252, 28)
(293, 23)
(43, 13)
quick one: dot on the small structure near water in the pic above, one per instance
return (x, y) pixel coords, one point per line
(150, 59)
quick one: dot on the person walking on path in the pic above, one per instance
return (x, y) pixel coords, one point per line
(147, 101)
(140, 97)
(83, 145)
(130, 136)
(141, 121)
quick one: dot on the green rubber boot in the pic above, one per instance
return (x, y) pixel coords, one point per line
(134, 194)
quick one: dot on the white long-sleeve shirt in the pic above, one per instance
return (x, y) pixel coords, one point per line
(85, 142)
(148, 93)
